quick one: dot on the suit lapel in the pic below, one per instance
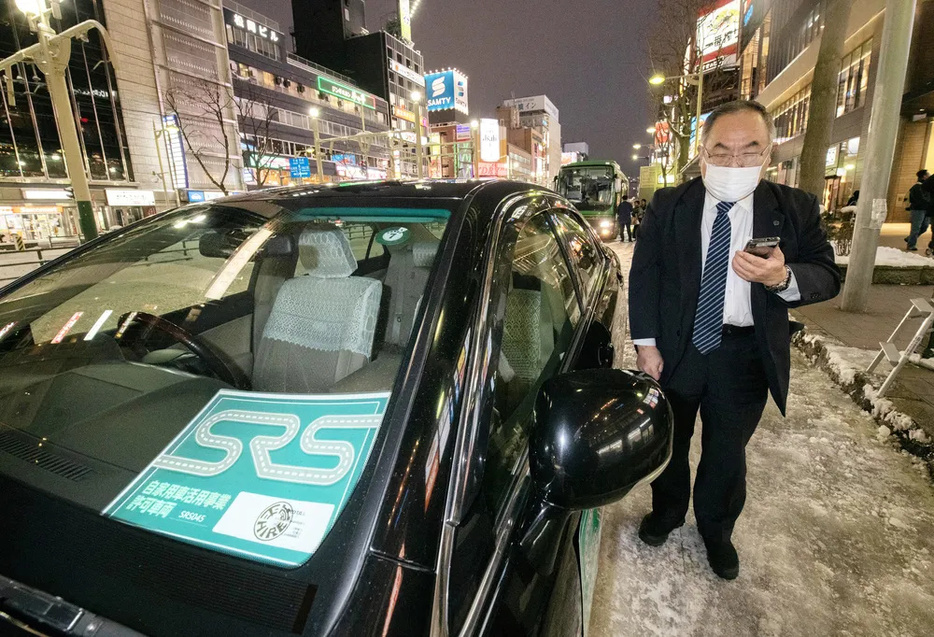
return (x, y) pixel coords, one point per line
(767, 221)
(688, 215)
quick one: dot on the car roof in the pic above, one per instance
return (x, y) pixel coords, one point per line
(426, 189)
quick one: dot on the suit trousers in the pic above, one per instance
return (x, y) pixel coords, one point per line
(730, 388)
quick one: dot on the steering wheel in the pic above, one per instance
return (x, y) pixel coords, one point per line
(216, 362)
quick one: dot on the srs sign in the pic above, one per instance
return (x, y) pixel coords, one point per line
(440, 90)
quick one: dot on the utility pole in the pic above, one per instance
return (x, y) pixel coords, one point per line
(475, 142)
(51, 55)
(880, 151)
(419, 151)
(315, 113)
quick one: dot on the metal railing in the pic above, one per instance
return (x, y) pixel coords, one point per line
(299, 61)
(17, 263)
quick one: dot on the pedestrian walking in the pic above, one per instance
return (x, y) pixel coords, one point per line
(624, 218)
(710, 320)
(919, 203)
(854, 199)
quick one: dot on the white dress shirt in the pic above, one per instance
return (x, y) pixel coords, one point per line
(737, 304)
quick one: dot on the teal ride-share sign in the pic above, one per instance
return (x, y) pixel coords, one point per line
(263, 476)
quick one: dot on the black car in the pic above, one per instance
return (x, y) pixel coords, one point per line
(372, 409)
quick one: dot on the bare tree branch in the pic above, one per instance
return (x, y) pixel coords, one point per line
(256, 115)
(201, 114)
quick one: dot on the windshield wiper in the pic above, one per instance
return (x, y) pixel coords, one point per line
(38, 613)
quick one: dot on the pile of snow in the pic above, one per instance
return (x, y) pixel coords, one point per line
(927, 363)
(895, 258)
(848, 366)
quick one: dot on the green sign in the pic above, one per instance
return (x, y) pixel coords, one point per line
(346, 92)
(262, 476)
(589, 542)
(393, 237)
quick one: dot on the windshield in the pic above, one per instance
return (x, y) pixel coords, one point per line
(215, 364)
(589, 188)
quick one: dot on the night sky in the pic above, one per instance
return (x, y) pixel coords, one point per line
(588, 56)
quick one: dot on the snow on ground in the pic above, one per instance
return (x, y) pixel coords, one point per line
(835, 538)
(894, 257)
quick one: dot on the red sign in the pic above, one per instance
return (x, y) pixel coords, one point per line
(662, 133)
(493, 169)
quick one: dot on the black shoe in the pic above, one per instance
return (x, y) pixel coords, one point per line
(912, 248)
(654, 532)
(723, 559)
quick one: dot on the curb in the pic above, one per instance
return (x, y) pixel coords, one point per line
(858, 385)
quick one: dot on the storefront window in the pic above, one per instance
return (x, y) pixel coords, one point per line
(791, 117)
(853, 82)
(29, 142)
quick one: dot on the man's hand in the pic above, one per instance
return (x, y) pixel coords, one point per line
(650, 361)
(769, 271)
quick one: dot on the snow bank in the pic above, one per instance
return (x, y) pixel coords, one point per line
(894, 257)
(847, 367)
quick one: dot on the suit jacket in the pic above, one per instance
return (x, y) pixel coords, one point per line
(624, 212)
(666, 272)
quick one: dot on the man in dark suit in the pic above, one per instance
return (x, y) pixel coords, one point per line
(710, 320)
(624, 218)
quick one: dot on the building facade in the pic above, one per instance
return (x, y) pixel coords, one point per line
(779, 48)
(532, 124)
(539, 113)
(34, 202)
(276, 92)
(333, 33)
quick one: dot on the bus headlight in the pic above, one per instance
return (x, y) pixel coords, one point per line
(606, 223)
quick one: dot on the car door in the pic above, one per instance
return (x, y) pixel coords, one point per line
(536, 332)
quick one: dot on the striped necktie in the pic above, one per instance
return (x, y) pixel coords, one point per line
(708, 320)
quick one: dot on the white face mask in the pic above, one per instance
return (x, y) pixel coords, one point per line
(728, 183)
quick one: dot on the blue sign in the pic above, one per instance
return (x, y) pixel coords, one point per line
(299, 167)
(195, 196)
(262, 476)
(439, 89)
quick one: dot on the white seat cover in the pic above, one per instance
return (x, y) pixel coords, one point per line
(322, 324)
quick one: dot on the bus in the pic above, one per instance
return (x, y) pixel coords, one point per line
(595, 187)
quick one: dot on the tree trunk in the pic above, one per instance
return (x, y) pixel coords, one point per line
(822, 110)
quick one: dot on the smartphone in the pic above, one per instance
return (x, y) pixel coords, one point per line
(762, 247)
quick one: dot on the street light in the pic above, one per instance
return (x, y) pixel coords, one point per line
(659, 79)
(419, 153)
(315, 113)
(650, 130)
(637, 146)
(51, 54)
(32, 8)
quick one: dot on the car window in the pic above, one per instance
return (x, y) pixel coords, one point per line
(128, 353)
(584, 253)
(541, 313)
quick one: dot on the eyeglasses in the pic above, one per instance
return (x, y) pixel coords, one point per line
(743, 160)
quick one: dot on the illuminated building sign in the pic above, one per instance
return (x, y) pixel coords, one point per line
(447, 90)
(718, 34)
(402, 113)
(406, 72)
(346, 92)
(252, 27)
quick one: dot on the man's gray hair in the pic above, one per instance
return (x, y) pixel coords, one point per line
(737, 107)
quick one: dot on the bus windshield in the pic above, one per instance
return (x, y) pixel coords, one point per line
(588, 187)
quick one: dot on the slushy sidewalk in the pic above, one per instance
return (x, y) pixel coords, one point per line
(913, 392)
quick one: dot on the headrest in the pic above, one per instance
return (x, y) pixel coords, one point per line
(423, 253)
(326, 253)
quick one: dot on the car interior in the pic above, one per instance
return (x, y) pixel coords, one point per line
(324, 305)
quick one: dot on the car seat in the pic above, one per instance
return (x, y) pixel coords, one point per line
(322, 323)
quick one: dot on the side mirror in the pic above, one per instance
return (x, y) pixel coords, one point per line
(598, 433)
